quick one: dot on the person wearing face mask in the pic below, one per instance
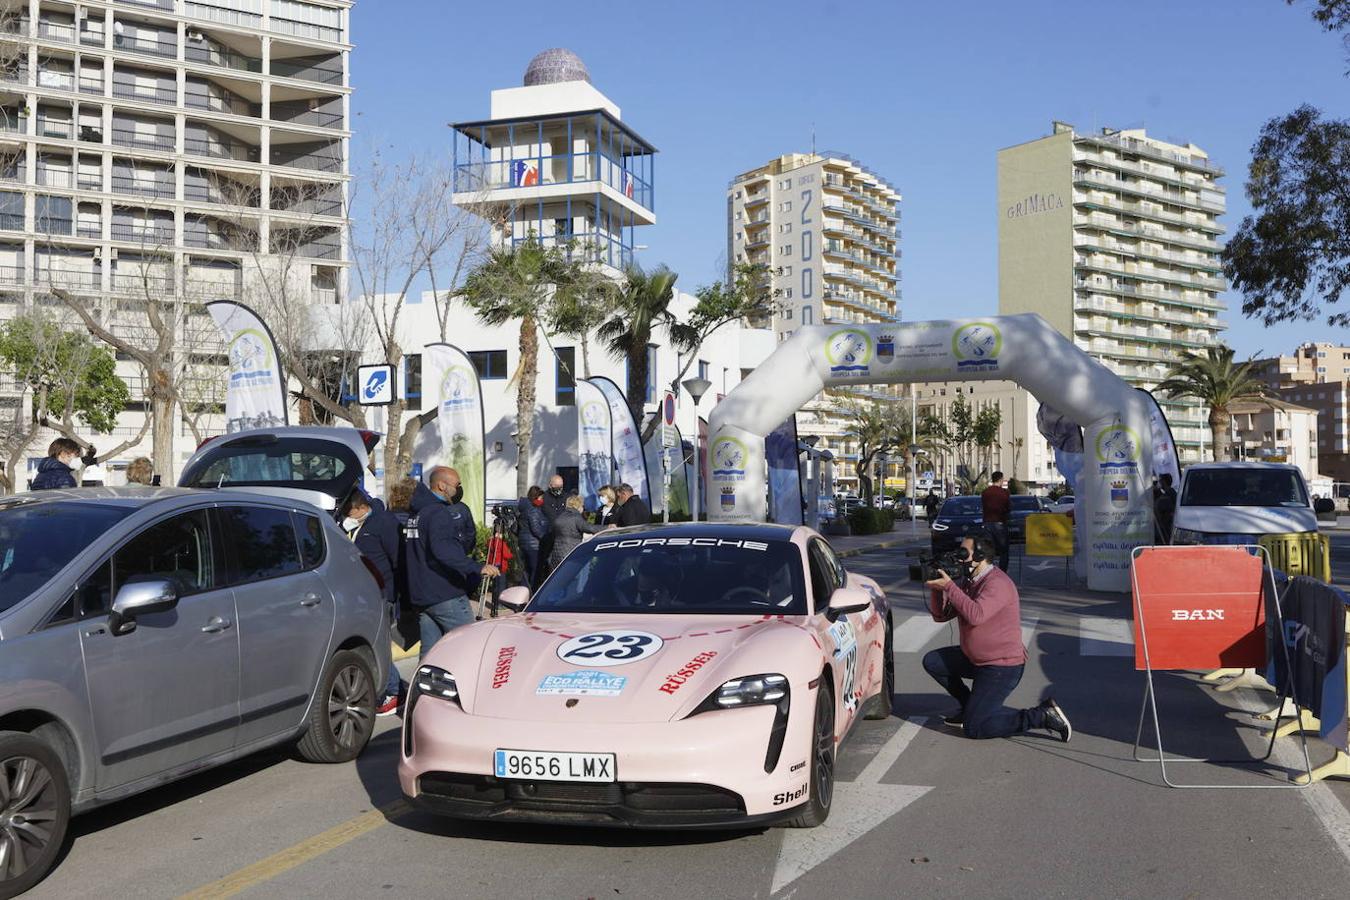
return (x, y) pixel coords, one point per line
(605, 516)
(569, 530)
(58, 469)
(531, 529)
(555, 501)
(442, 573)
(374, 531)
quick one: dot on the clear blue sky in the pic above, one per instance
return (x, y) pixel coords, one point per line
(930, 93)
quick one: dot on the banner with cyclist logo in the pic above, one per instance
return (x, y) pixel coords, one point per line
(255, 395)
(625, 439)
(596, 464)
(449, 379)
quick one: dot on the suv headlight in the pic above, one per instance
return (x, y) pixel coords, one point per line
(938, 526)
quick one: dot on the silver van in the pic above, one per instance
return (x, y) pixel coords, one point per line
(148, 633)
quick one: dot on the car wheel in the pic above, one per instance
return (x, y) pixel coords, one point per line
(343, 714)
(34, 810)
(817, 809)
(881, 704)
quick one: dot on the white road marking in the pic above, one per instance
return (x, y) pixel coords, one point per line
(1100, 636)
(857, 808)
(915, 633)
(1029, 624)
(1042, 566)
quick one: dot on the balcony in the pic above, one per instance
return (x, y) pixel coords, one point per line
(122, 184)
(146, 44)
(55, 128)
(56, 32)
(1132, 145)
(159, 94)
(1116, 205)
(153, 235)
(12, 274)
(213, 55)
(127, 137)
(69, 278)
(220, 148)
(230, 106)
(91, 84)
(142, 283)
(1177, 198)
(12, 221)
(328, 72)
(301, 114)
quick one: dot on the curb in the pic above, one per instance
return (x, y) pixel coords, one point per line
(883, 545)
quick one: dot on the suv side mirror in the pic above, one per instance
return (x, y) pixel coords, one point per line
(847, 600)
(515, 598)
(140, 598)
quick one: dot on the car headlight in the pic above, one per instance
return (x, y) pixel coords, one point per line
(428, 681)
(435, 682)
(751, 690)
(1187, 536)
(938, 526)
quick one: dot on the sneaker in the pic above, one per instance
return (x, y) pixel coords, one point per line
(388, 706)
(1055, 720)
(956, 721)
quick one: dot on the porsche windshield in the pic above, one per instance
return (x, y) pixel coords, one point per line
(696, 575)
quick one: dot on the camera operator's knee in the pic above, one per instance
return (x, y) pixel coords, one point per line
(977, 730)
(933, 664)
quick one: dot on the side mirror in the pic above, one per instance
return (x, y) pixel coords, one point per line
(847, 600)
(140, 598)
(514, 598)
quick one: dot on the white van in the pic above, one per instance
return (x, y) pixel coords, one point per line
(1237, 502)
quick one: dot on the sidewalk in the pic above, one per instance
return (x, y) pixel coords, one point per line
(865, 543)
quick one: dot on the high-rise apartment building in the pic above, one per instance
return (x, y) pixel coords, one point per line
(827, 229)
(556, 162)
(1113, 239)
(171, 149)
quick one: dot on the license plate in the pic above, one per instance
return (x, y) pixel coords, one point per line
(533, 765)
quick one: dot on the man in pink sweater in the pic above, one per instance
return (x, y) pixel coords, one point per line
(991, 655)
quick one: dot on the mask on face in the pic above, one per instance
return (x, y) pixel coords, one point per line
(606, 502)
(350, 524)
(538, 501)
(458, 495)
(555, 491)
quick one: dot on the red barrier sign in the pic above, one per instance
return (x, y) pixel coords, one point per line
(1201, 607)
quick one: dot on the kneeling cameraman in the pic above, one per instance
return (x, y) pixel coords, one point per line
(991, 654)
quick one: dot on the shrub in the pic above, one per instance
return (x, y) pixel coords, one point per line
(867, 520)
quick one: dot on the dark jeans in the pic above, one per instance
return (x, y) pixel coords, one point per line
(394, 684)
(982, 703)
(529, 564)
(998, 531)
(442, 618)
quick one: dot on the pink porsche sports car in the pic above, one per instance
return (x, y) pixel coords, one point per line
(678, 676)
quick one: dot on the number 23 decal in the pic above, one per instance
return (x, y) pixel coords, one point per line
(609, 648)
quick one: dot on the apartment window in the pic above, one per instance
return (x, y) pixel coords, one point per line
(307, 20)
(491, 364)
(703, 369)
(787, 312)
(785, 250)
(808, 315)
(785, 184)
(412, 376)
(785, 228)
(787, 292)
(564, 377)
(785, 271)
(785, 206)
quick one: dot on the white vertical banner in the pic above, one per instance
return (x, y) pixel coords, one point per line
(449, 378)
(594, 447)
(255, 395)
(625, 439)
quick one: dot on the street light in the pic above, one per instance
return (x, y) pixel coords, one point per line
(696, 387)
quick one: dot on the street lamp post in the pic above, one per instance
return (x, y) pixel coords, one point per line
(696, 387)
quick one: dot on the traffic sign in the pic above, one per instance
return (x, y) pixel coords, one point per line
(668, 421)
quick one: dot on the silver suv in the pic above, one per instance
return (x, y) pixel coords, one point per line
(148, 633)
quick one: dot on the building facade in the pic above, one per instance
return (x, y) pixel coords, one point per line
(1020, 451)
(1273, 430)
(1113, 239)
(171, 150)
(1316, 376)
(827, 230)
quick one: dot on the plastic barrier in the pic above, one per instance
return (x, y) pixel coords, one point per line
(1301, 553)
(1201, 607)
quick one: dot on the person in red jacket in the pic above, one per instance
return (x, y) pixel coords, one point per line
(991, 655)
(996, 505)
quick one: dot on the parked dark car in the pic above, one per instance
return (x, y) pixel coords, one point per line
(1023, 505)
(958, 517)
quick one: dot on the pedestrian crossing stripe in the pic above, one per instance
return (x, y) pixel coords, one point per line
(1097, 635)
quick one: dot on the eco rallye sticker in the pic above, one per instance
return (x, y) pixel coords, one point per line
(609, 648)
(582, 684)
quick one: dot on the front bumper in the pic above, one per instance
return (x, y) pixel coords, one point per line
(706, 771)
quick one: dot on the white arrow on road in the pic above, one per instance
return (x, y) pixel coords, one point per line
(1042, 566)
(857, 808)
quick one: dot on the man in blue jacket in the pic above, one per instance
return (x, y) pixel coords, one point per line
(441, 569)
(57, 470)
(374, 531)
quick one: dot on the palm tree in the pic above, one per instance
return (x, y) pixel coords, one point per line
(644, 305)
(1213, 379)
(520, 282)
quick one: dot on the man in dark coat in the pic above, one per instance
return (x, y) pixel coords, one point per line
(532, 527)
(555, 501)
(375, 532)
(441, 569)
(632, 510)
(57, 469)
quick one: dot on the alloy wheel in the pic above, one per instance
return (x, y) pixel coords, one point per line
(825, 749)
(351, 706)
(28, 809)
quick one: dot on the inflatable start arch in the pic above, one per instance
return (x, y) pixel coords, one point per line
(1113, 492)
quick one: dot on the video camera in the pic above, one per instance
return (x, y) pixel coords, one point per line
(954, 562)
(506, 515)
